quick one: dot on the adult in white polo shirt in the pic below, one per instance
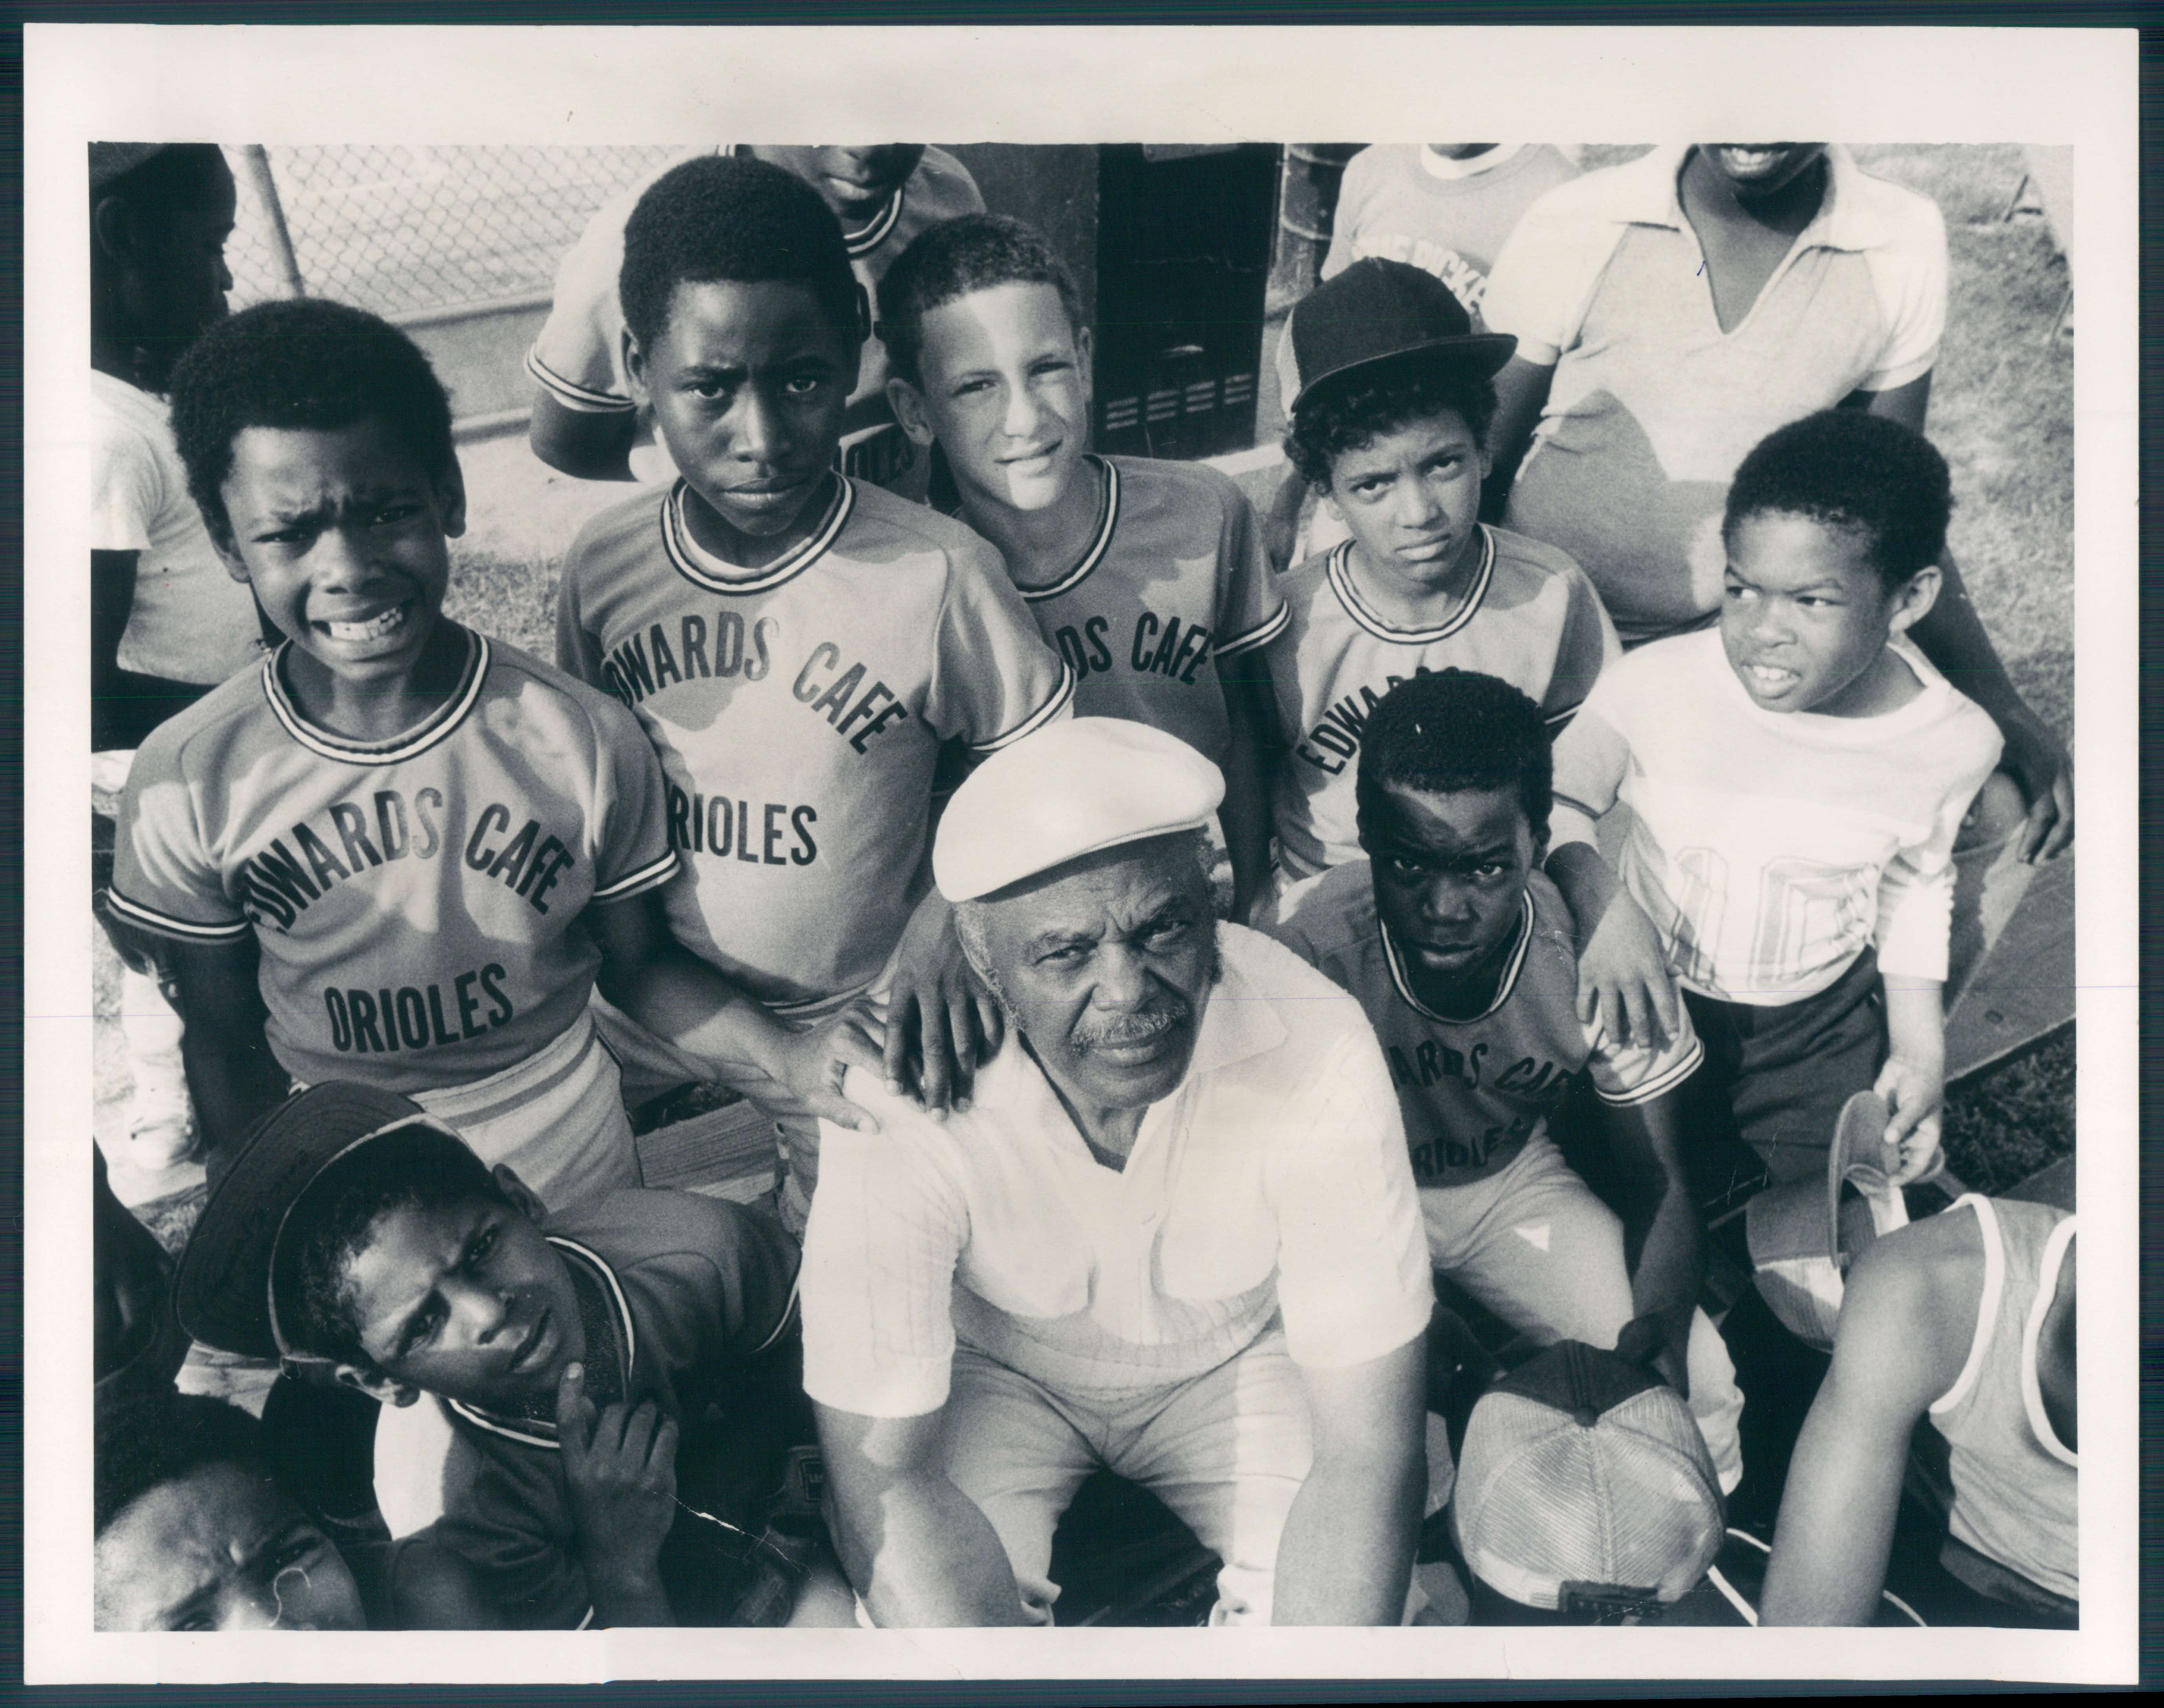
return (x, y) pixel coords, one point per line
(1672, 312)
(1174, 1235)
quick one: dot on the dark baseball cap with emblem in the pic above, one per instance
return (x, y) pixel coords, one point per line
(1379, 310)
(222, 1290)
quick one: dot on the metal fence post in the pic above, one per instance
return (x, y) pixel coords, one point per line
(258, 162)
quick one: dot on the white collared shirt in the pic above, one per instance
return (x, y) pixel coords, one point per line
(1653, 402)
(1272, 1183)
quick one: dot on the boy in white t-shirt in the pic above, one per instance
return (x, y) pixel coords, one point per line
(1796, 780)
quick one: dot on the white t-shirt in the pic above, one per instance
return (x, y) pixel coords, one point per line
(191, 621)
(1769, 848)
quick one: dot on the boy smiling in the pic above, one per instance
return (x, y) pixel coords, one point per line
(1796, 781)
(399, 851)
(798, 646)
(1149, 576)
(1391, 393)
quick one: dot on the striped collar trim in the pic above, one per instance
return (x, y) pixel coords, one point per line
(417, 741)
(1504, 985)
(702, 569)
(862, 241)
(1098, 546)
(1348, 595)
(533, 1431)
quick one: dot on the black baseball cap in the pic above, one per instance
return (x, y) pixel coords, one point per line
(222, 1290)
(1374, 310)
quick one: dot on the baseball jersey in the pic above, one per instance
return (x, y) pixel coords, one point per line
(1651, 405)
(2009, 1486)
(1529, 617)
(191, 622)
(578, 359)
(686, 1298)
(1473, 1091)
(1174, 578)
(1769, 848)
(1447, 217)
(416, 902)
(799, 711)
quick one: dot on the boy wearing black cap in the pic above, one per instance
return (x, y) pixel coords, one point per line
(1390, 394)
(354, 1233)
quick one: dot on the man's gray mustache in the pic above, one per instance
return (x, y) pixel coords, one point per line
(1130, 1028)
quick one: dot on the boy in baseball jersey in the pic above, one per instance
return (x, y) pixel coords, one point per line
(399, 851)
(797, 645)
(585, 422)
(1147, 575)
(1796, 779)
(615, 1389)
(1460, 954)
(1444, 207)
(1390, 394)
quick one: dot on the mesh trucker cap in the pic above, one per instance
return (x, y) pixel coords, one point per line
(1372, 311)
(1804, 1234)
(222, 1291)
(1584, 1481)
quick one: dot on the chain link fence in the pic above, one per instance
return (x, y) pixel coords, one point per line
(406, 231)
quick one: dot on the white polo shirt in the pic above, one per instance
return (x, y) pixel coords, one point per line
(1653, 404)
(1273, 1184)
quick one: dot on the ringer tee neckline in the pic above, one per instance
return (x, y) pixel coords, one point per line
(407, 744)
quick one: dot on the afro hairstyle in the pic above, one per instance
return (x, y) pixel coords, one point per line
(726, 217)
(163, 1436)
(1857, 472)
(416, 1167)
(954, 259)
(303, 364)
(1444, 731)
(1351, 412)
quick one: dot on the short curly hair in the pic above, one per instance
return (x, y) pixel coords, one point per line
(329, 1224)
(954, 259)
(302, 363)
(1444, 731)
(1859, 473)
(161, 1438)
(1352, 411)
(722, 217)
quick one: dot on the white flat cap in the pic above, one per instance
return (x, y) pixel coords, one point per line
(1064, 791)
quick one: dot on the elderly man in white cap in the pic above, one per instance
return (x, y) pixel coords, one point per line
(1175, 1233)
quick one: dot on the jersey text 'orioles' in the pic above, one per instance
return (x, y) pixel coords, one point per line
(416, 902)
(799, 711)
(1529, 617)
(1473, 1091)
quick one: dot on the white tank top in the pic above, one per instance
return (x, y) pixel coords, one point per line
(2014, 1482)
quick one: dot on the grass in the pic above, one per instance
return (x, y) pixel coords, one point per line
(2014, 1118)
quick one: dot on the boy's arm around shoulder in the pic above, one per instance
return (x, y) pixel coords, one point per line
(1908, 1319)
(1623, 978)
